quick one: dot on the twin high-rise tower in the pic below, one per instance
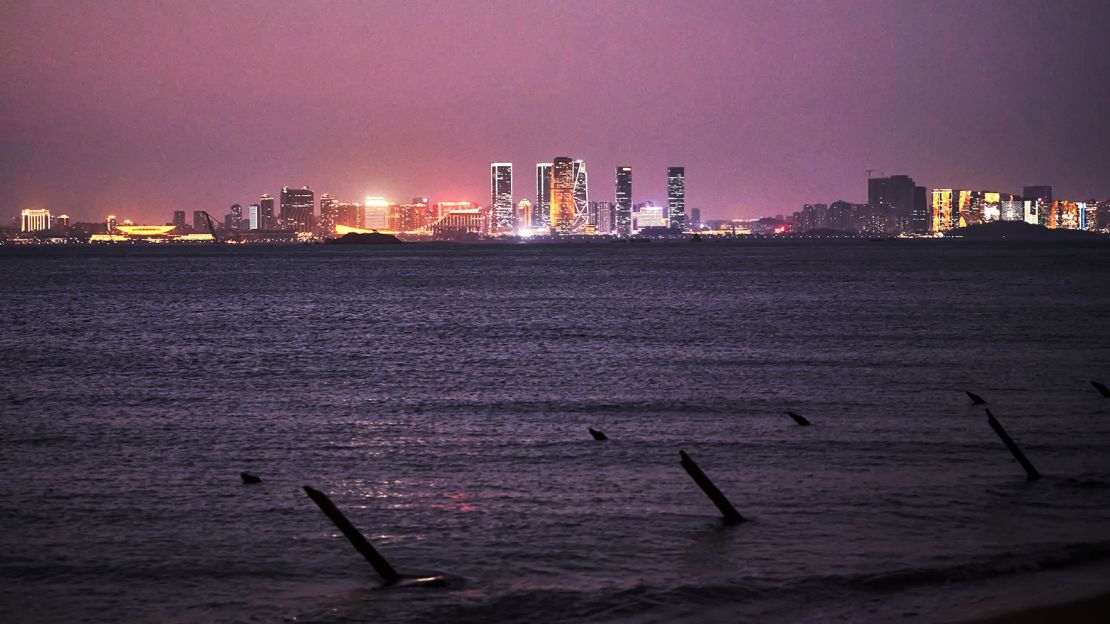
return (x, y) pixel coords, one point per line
(501, 197)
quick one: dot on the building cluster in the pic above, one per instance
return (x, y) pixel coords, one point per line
(896, 205)
(561, 206)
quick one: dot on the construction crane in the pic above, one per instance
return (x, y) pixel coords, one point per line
(211, 227)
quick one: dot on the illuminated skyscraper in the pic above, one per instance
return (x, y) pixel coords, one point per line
(235, 223)
(329, 214)
(541, 212)
(581, 196)
(501, 196)
(942, 211)
(375, 214)
(110, 223)
(297, 209)
(34, 220)
(522, 218)
(601, 217)
(623, 214)
(676, 197)
(267, 220)
(254, 217)
(562, 195)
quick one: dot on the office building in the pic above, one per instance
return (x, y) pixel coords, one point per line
(562, 195)
(235, 222)
(34, 220)
(110, 223)
(622, 217)
(676, 197)
(895, 195)
(329, 214)
(179, 220)
(297, 208)
(522, 218)
(919, 216)
(267, 219)
(601, 217)
(581, 197)
(374, 214)
(501, 197)
(648, 215)
(199, 222)
(541, 210)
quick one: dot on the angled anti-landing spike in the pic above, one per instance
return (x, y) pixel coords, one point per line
(1103, 390)
(598, 435)
(1030, 472)
(249, 478)
(801, 420)
(975, 398)
(361, 544)
(727, 510)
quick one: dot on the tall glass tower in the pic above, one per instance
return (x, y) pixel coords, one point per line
(676, 197)
(581, 195)
(297, 208)
(501, 196)
(541, 212)
(623, 213)
(562, 195)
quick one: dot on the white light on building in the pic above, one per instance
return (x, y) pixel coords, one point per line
(34, 220)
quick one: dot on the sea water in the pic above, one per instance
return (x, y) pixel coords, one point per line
(440, 395)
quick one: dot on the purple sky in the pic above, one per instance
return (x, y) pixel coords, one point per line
(140, 108)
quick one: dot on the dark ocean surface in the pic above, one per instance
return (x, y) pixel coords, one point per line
(440, 395)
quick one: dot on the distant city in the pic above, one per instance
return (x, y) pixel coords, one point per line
(560, 207)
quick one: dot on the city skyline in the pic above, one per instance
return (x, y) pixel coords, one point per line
(770, 106)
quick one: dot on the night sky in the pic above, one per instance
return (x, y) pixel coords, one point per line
(141, 108)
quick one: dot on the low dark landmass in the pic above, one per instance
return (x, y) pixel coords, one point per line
(1019, 231)
(373, 238)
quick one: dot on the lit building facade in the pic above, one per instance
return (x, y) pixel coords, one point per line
(601, 217)
(461, 222)
(541, 211)
(235, 222)
(622, 217)
(943, 213)
(648, 215)
(254, 217)
(676, 197)
(267, 220)
(297, 208)
(562, 195)
(329, 214)
(199, 223)
(501, 197)
(34, 220)
(374, 214)
(581, 197)
(522, 218)
(179, 220)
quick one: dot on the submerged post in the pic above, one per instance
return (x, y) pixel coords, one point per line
(1030, 471)
(1102, 389)
(598, 435)
(727, 510)
(975, 398)
(801, 420)
(384, 570)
